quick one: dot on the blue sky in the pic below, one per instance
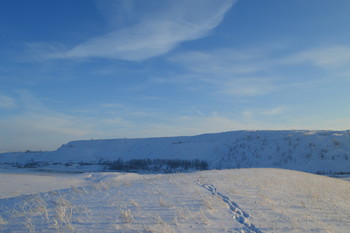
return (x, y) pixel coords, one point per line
(87, 69)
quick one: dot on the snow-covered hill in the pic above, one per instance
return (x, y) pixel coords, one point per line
(311, 151)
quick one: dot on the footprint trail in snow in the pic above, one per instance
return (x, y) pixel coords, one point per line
(238, 214)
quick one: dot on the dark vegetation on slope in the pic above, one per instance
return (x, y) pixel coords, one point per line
(133, 165)
(155, 165)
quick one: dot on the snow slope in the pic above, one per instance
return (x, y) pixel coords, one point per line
(241, 200)
(311, 151)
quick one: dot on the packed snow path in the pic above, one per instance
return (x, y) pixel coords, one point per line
(238, 214)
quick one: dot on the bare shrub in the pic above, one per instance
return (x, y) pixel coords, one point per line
(134, 203)
(127, 216)
(29, 225)
(2, 220)
(162, 203)
(64, 212)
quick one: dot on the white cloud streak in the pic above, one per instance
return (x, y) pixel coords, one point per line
(231, 72)
(223, 61)
(156, 33)
(324, 57)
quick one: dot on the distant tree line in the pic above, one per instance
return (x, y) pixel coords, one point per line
(133, 165)
(158, 165)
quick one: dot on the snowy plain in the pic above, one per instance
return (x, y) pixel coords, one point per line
(235, 200)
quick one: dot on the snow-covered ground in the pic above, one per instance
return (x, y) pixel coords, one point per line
(302, 150)
(239, 200)
(18, 182)
(255, 198)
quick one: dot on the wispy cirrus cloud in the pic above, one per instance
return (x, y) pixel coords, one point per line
(324, 57)
(154, 33)
(332, 60)
(223, 61)
(254, 72)
(231, 72)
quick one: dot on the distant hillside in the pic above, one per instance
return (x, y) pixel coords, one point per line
(310, 151)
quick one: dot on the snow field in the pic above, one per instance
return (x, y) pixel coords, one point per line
(17, 182)
(129, 203)
(288, 201)
(243, 200)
